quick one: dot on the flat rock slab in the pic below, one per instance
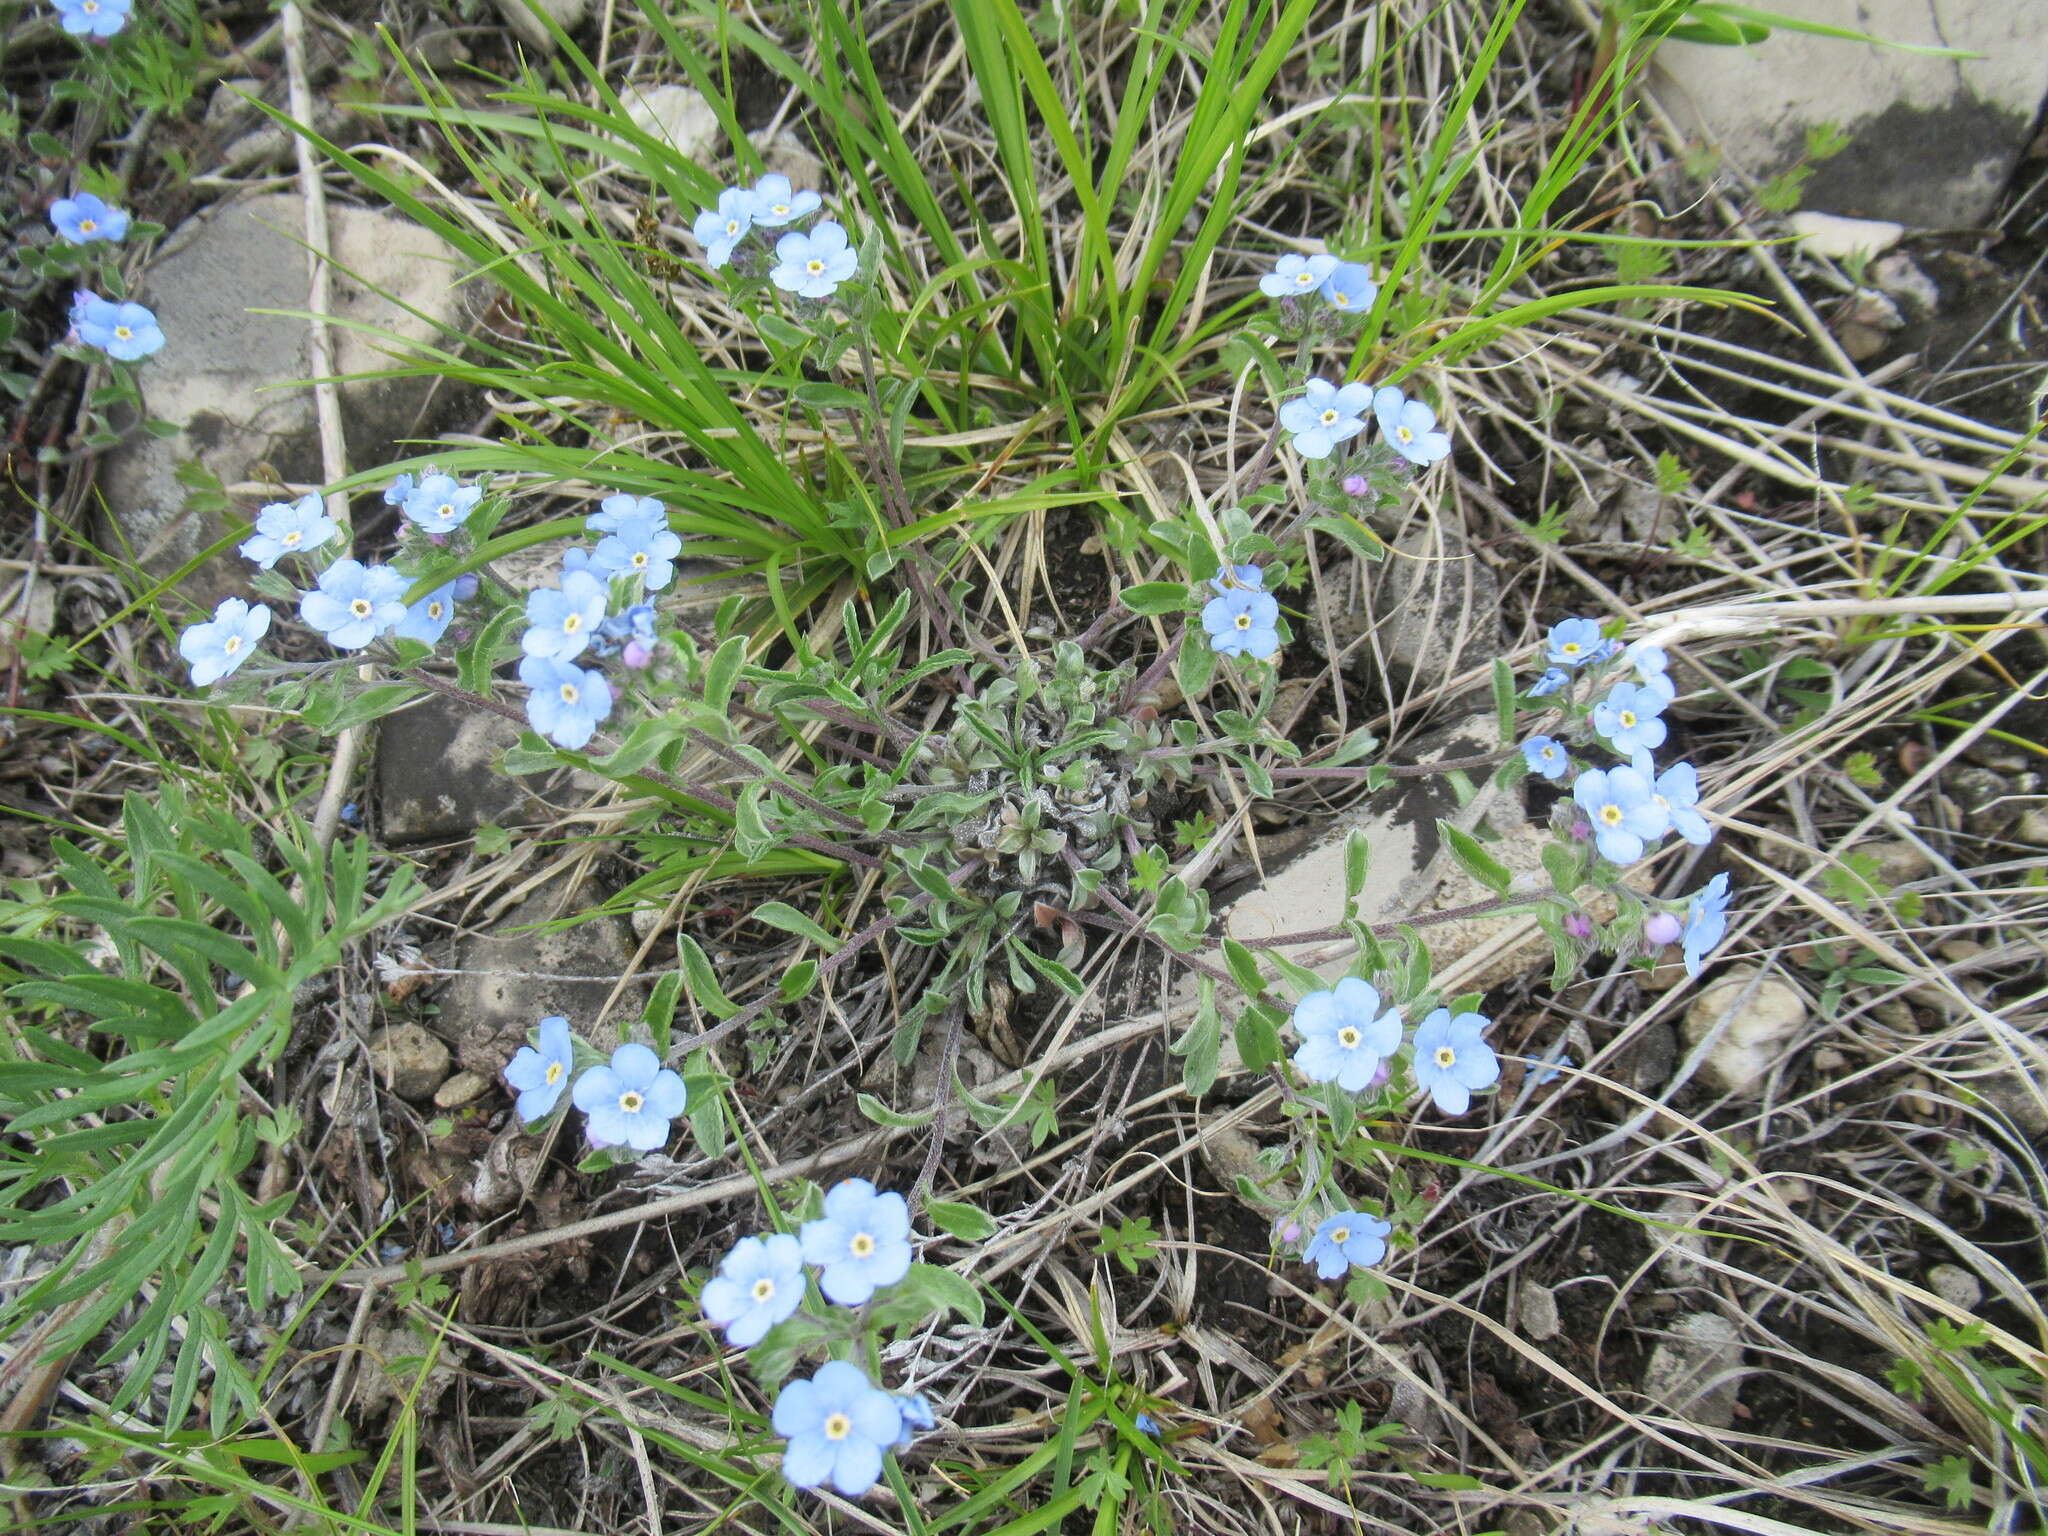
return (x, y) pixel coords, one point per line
(1932, 141)
(225, 377)
(437, 779)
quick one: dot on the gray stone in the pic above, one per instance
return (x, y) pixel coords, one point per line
(1441, 605)
(1761, 1014)
(1681, 1254)
(1536, 1310)
(678, 116)
(784, 154)
(437, 775)
(463, 1088)
(408, 1060)
(1932, 141)
(1956, 1286)
(1838, 239)
(519, 16)
(512, 977)
(1695, 1370)
(220, 385)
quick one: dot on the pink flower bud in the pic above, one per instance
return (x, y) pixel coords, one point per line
(1663, 928)
(636, 654)
(1578, 925)
(1355, 485)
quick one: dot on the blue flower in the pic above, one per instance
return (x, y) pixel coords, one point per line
(1344, 1034)
(916, 1412)
(1249, 577)
(615, 511)
(216, 647)
(1241, 622)
(96, 18)
(1677, 791)
(399, 491)
(1653, 669)
(428, 619)
(1623, 810)
(1553, 678)
(1551, 1072)
(631, 1101)
(641, 546)
(1297, 276)
(1574, 642)
(837, 1423)
(85, 218)
(812, 265)
(289, 528)
(1147, 1425)
(1325, 416)
(542, 1075)
(1348, 1240)
(636, 623)
(862, 1242)
(354, 603)
(720, 230)
(439, 504)
(1628, 718)
(1451, 1060)
(758, 1284)
(563, 619)
(1350, 287)
(1706, 920)
(1546, 755)
(566, 703)
(775, 204)
(1409, 427)
(125, 331)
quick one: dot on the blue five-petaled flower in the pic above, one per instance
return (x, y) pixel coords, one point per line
(758, 1284)
(1629, 717)
(289, 528)
(1573, 642)
(630, 1101)
(615, 511)
(776, 205)
(439, 504)
(1546, 755)
(1349, 288)
(1623, 809)
(1677, 791)
(354, 603)
(541, 1074)
(862, 1242)
(92, 18)
(1325, 416)
(1297, 276)
(1347, 1240)
(1706, 920)
(1409, 426)
(86, 218)
(640, 546)
(564, 702)
(837, 1424)
(219, 645)
(428, 619)
(720, 230)
(1243, 622)
(1451, 1060)
(1345, 1035)
(128, 332)
(811, 264)
(561, 621)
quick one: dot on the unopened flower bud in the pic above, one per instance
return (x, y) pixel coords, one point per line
(1663, 928)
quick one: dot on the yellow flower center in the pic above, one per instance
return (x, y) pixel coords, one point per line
(1628, 719)
(232, 644)
(780, 210)
(572, 623)
(360, 607)
(91, 7)
(862, 1246)
(1304, 279)
(630, 1102)
(433, 610)
(1445, 1056)
(291, 540)
(554, 1073)
(1243, 621)
(639, 558)
(122, 332)
(87, 226)
(1340, 1235)
(764, 1289)
(1611, 814)
(814, 266)
(446, 509)
(732, 226)
(1404, 434)
(1329, 417)
(570, 693)
(1571, 647)
(837, 1426)
(1349, 1037)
